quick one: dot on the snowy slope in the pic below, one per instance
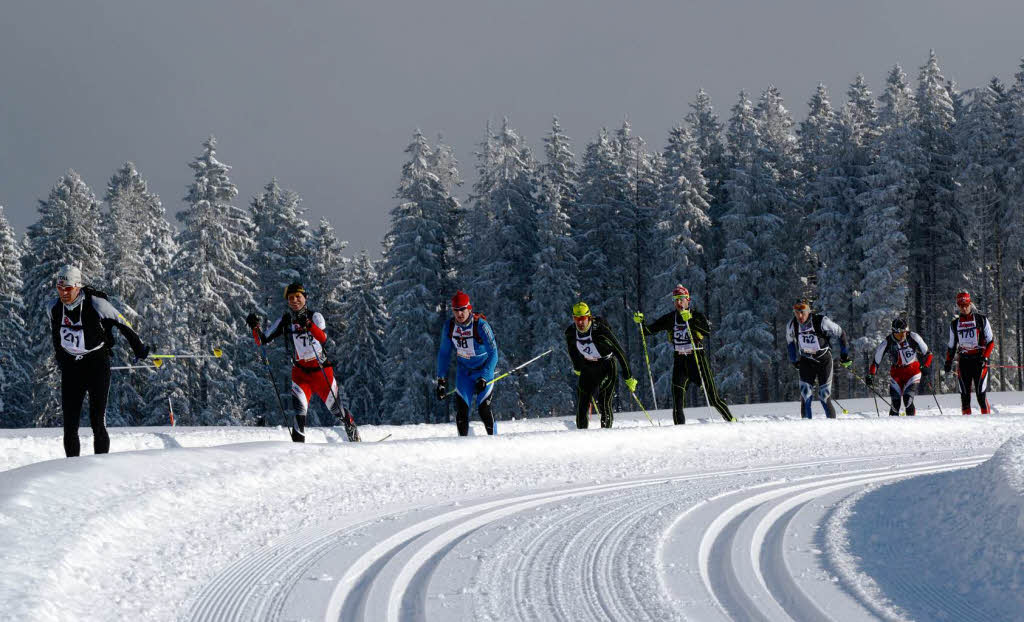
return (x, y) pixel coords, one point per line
(542, 522)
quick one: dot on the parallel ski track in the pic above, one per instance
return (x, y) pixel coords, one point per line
(584, 553)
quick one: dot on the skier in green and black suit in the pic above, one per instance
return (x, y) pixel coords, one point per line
(594, 350)
(690, 362)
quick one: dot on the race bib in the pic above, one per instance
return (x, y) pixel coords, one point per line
(462, 338)
(967, 334)
(72, 339)
(307, 348)
(681, 339)
(588, 349)
(906, 354)
(808, 341)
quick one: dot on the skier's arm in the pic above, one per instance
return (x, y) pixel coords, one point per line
(444, 353)
(700, 325)
(922, 347)
(951, 346)
(791, 343)
(317, 326)
(109, 316)
(833, 330)
(613, 344)
(877, 359)
(663, 323)
(989, 339)
(570, 346)
(491, 347)
(58, 351)
(274, 331)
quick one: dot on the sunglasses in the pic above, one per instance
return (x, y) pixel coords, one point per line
(681, 297)
(459, 308)
(801, 308)
(577, 318)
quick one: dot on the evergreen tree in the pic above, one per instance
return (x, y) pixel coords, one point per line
(361, 371)
(1012, 109)
(66, 233)
(15, 367)
(211, 266)
(549, 387)
(418, 283)
(707, 133)
(140, 245)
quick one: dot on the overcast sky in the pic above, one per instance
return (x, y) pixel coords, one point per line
(325, 95)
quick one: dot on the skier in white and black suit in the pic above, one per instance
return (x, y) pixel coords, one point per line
(911, 363)
(970, 338)
(809, 342)
(81, 325)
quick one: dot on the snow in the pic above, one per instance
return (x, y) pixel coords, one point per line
(541, 521)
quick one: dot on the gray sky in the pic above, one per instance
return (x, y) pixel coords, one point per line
(325, 95)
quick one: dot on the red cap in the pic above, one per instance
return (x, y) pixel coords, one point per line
(680, 291)
(460, 300)
(963, 298)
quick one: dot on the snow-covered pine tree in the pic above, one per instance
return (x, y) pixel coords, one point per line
(707, 133)
(360, 369)
(216, 288)
(549, 385)
(140, 245)
(418, 282)
(938, 243)
(1013, 218)
(505, 196)
(66, 233)
(15, 366)
(887, 205)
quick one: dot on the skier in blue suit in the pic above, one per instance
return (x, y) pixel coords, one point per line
(476, 351)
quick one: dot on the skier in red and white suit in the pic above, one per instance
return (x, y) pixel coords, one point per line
(970, 337)
(312, 371)
(910, 363)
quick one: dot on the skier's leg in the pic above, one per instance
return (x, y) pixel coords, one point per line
(680, 380)
(806, 386)
(331, 397)
(711, 387)
(981, 385)
(964, 379)
(484, 408)
(461, 415)
(72, 393)
(825, 386)
(301, 392)
(908, 397)
(99, 388)
(606, 392)
(582, 404)
(895, 395)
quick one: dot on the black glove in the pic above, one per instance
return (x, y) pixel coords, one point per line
(845, 360)
(926, 373)
(947, 367)
(479, 385)
(869, 379)
(142, 354)
(796, 364)
(442, 388)
(302, 318)
(252, 320)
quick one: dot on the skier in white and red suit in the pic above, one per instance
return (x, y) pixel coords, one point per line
(970, 338)
(910, 362)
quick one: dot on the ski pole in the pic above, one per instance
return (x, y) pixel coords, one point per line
(266, 361)
(217, 352)
(849, 369)
(152, 367)
(841, 407)
(647, 360)
(509, 372)
(640, 404)
(346, 417)
(696, 362)
(932, 385)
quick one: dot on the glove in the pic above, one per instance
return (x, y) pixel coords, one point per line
(252, 320)
(947, 367)
(869, 379)
(442, 388)
(142, 354)
(576, 371)
(687, 316)
(479, 385)
(638, 317)
(631, 384)
(845, 360)
(926, 373)
(984, 362)
(796, 364)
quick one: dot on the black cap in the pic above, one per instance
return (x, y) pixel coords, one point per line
(294, 288)
(899, 325)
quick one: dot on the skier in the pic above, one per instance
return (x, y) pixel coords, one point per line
(690, 362)
(476, 356)
(808, 340)
(910, 362)
(594, 350)
(970, 337)
(312, 371)
(81, 324)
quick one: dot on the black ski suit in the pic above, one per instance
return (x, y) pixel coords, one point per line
(593, 355)
(970, 337)
(690, 363)
(83, 340)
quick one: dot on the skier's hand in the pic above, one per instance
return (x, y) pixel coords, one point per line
(869, 379)
(845, 360)
(576, 371)
(479, 385)
(631, 384)
(947, 367)
(687, 316)
(142, 354)
(442, 388)
(638, 317)
(984, 361)
(796, 364)
(252, 320)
